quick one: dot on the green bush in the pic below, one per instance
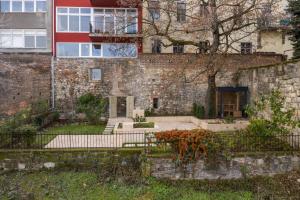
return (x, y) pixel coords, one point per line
(92, 106)
(144, 125)
(139, 119)
(268, 117)
(198, 111)
(149, 112)
(228, 120)
(26, 134)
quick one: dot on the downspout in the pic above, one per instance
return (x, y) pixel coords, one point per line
(53, 83)
(53, 58)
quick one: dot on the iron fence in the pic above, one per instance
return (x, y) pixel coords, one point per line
(72, 141)
(232, 142)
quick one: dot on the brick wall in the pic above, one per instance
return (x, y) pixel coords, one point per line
(24, 78)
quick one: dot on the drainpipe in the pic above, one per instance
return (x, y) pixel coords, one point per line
(53, 83)
(53, 57)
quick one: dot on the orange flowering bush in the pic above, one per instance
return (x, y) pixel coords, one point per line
(188, 145)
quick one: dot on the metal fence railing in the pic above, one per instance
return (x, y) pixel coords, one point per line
(232, 142)
(72, 141)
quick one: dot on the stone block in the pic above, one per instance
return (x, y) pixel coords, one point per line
(49, 165)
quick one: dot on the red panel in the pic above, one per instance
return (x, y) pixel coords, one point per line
(84, 37)
(89, 3)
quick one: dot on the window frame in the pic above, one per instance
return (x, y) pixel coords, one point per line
(177, 47)
(92, 16)
(91, 74)
(181, 17)
(23, 6)
(246, 50)
(91, 50)
(23, 33)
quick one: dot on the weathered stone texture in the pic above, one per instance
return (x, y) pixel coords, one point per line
(233, 169)
(24, 78)
(285, 77)
(171, 78)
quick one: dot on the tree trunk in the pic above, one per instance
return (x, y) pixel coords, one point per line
(211, 96)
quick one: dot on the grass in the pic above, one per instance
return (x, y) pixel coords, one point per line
(87, 185)
(70, 129)
(143, 125)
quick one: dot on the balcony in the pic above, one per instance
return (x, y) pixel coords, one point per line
(100, 29)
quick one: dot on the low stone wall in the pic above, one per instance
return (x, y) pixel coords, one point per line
(73, 159)
(234, 169)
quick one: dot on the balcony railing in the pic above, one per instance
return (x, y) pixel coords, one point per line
(98, 29)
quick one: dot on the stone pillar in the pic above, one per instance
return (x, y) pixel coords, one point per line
(113, 106)
(129, 106)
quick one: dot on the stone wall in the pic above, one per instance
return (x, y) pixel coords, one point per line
(72, 159)
(285, 77)
(171, 78)
(24, 78)
(236, 168)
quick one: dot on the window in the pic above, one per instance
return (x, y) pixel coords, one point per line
(106, 50)
(85, 50)
(155, 103)
(41, 6)
(16, 5)
(73, 19)
(203, 46)
(95, 74)
(178, 48)
(121, 21)
(96, 50)
(131, 22)
(10, 38)
(156, 46)
(5, 6)
(154, 10)
(246, 48)
(204, 9)
(23, 5)
(41, 41)
(29, 6)
(68, 49)
(120, 50)
(109, 21)
(181, 12)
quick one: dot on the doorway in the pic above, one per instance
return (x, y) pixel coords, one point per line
(121, 107)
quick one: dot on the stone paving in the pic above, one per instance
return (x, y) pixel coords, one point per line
(95, 141)
(113, 140)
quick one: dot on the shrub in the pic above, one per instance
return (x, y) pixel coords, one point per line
(198, 111)
(144, 125)
(139, 119)
(92, 106)
(149, 112)
(228, 120)
(187, 145)
(268, 117)
(26, 134)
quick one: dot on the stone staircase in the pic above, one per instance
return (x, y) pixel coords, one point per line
(112, 122)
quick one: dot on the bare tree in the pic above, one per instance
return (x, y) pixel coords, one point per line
(212, 27)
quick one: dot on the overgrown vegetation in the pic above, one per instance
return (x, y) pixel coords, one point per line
(22, 127)
(144, 125)
(92, 106)
(139, 119)
(198, 111)
(268, 117)
(187, 145)
(87, 185)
